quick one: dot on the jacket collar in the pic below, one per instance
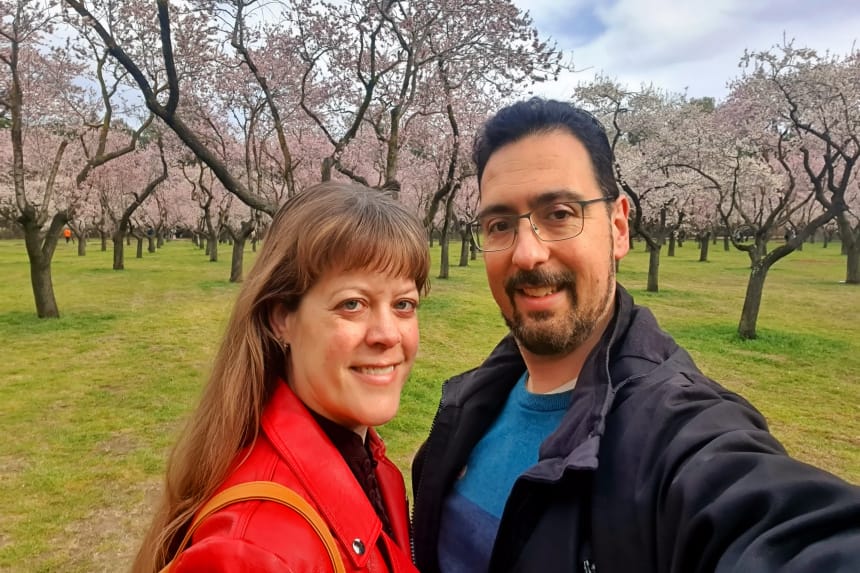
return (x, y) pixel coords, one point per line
(323, 474)
(574, 445)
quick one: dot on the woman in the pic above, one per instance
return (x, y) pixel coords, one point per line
(319, 345)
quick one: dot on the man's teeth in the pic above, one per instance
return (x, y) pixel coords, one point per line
(539, 291)
(376, 370)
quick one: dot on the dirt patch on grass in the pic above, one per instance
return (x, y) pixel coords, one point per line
(12, 465)
(107, 538)
(118, 445)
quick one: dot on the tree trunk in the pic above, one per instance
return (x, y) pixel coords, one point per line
(671, 252)
(159, 241)
(118, 252)
(444, 261)
(40, 272)
(104, 241)
(139, 254)
(150, 247)
(851, 248)
(852, 275)
(82, 245)
(726, 242)
(444, 264)
(237, 259)
(464, 248)
(703, 248)
(752, 301)
(654, 269)
(212, 248)
(43, 289)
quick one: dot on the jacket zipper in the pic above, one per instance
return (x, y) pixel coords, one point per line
(424, 470)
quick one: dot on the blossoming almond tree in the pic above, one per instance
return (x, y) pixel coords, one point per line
(643, 128)
(33, 94)
(134, 33)
(815, 96)
(752, 164)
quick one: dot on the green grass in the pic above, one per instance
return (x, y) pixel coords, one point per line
(90, 403)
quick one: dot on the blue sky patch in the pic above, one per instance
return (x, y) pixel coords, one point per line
(578, 25)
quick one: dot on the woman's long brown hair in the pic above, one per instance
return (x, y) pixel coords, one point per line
(329, 226)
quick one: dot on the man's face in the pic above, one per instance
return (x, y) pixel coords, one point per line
(553, 295)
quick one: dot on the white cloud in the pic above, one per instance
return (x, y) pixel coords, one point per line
(678, 45)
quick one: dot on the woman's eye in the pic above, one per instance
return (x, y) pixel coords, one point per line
(406, 305)
(352, 304)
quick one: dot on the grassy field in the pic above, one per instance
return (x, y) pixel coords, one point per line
(90, 403)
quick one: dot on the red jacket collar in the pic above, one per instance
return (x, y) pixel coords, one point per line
(327, 479)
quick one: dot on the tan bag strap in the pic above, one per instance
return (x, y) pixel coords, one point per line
(266, 491)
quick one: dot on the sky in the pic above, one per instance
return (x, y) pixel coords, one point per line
(683, 45)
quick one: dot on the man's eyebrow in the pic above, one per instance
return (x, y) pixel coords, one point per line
(497, 209)
(554, 196)
(547, 198)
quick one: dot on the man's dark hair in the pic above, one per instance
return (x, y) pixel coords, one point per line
(537, 116)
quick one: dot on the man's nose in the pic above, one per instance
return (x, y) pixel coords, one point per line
(529, 250)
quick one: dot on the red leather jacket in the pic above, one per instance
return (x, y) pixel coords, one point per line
(267, 537)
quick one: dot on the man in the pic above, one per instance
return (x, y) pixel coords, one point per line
(588, 441)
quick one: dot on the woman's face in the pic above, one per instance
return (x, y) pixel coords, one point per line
(353, 341)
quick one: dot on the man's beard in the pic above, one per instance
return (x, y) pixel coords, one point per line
(549, 333)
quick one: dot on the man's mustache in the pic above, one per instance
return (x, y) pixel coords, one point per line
(539, 278)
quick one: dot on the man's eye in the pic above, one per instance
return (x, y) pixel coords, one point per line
(498, 226)
(559, 214)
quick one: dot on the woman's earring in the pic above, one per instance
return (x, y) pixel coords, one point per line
(284, 346)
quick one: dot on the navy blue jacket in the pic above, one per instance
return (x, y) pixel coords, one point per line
(654, 468)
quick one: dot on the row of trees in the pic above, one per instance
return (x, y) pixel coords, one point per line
(141, 116)
(778, 157)
(242, 99)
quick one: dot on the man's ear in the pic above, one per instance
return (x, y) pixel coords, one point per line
(279, 321)
(621, 226)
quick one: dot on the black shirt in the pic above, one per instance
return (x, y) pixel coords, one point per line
(360, 460)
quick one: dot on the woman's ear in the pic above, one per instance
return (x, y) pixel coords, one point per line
(279, 319)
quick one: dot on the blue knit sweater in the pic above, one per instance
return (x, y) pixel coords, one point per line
(472, 511)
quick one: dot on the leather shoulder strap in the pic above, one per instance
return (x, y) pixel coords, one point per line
(266, 491)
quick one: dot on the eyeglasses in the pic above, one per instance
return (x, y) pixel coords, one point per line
(552, 222)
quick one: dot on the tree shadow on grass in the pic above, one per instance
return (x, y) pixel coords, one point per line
(20, 322)
(209, 286)
(768, 344)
